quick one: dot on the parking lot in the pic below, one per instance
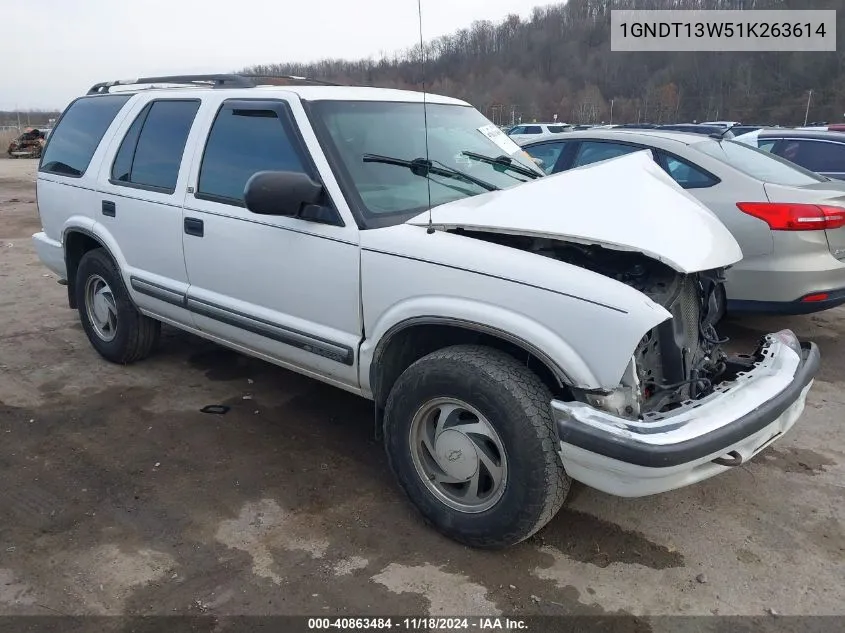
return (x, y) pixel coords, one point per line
(120, 496)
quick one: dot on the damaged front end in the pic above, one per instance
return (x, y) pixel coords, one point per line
(684, 410)
(679, 360)
(682, 358)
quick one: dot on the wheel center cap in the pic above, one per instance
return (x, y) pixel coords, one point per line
(456, 454)
(101, 309)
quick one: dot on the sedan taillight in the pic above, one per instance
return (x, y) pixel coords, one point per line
(790, 216)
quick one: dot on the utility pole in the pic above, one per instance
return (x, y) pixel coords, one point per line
(807, 113)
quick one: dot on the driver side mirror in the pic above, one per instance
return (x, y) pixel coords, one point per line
(281, 193)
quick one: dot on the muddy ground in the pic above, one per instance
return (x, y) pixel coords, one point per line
(119, 497)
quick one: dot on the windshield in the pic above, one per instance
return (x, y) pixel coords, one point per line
(397, 130)
(759, 164)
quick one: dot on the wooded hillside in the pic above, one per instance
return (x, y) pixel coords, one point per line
(559, 61)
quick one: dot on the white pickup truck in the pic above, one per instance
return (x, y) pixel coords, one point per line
(514, 330)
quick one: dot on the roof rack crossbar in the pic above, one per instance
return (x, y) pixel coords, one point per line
(215, 81)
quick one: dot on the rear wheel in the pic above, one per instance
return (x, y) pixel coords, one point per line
(470, 437)
(114, 326)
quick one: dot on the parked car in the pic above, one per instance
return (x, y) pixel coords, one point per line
(507, 346)
(789, 221)
(29, 144)
(522, 133)
(698, 128)
(821, 152)
(721, 124)
(738, 130)
(636, 126)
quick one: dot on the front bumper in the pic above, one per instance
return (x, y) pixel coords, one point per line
(633, 458)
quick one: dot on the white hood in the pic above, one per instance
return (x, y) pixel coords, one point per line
(627, 203)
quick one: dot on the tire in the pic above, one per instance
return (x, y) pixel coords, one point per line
(114, 326)
(501, 394)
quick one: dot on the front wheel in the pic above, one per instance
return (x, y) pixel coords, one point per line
(470, 436)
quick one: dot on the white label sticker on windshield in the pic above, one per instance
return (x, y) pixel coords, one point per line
(500, 138)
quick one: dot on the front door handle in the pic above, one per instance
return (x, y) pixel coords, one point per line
(109, 208)
(195, 227)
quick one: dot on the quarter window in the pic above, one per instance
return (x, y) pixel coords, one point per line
(80, 130)
(240, 144)
(686, 174)
(151, 152)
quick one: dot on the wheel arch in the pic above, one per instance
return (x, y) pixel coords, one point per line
(411, 339)
(77, 241)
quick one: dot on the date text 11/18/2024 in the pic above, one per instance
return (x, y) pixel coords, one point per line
(419, 624)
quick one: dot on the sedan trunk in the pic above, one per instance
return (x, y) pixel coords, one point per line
(831, 195)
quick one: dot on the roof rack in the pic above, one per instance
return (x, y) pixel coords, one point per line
(293, 78)
(213, 81)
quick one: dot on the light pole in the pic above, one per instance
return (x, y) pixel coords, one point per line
(611, 111)
(807, 113)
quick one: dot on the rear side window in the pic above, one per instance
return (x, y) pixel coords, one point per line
(547, 153)
(151, 152)
(594, 151)
(79, 132)
(556, 129)
(240, 144)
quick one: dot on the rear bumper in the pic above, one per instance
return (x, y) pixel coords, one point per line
(801, 265)
(633, 458)
(835, 298)
(51, 254)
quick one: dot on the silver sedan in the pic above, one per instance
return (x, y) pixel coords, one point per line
(789, 222)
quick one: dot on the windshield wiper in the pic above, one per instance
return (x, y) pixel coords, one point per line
(423, 167)
(504, 161)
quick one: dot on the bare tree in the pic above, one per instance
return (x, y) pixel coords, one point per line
(559, 61)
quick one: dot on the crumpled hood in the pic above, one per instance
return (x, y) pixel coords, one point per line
(627, 203)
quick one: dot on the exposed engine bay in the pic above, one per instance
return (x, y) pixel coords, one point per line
(679, 360)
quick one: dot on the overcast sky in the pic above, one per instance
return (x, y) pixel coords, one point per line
(76, 43)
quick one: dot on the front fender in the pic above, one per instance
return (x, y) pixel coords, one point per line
(585, 324)
(487, 318)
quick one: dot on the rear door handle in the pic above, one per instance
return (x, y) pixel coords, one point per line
(109, 208)
(193, 226)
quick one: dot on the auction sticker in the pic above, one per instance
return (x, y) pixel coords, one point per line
(502, 140)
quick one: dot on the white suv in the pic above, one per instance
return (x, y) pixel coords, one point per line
(536, 131)
(525, 331)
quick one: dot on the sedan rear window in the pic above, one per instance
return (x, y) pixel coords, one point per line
(758, 164)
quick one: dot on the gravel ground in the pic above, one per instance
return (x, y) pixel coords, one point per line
(120, 497)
